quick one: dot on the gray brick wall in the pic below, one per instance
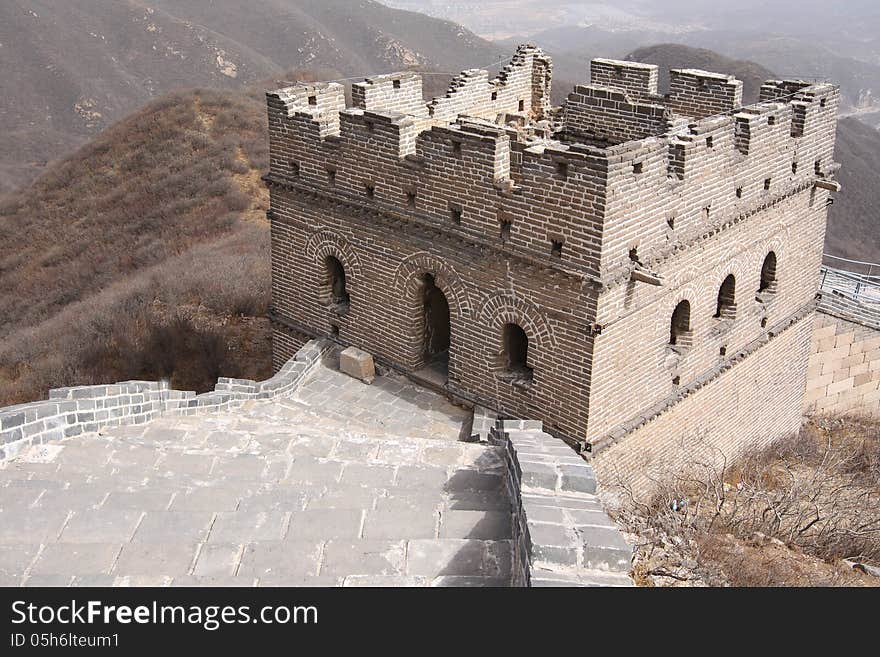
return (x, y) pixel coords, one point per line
(82, 409)
(561, 533)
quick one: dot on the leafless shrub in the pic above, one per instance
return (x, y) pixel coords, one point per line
(187, 319)
(817, 492)
(139, 255)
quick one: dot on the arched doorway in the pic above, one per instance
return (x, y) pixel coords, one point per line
(335, 283)
(437, 329)
(515, 344)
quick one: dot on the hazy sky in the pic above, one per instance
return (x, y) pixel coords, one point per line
(499, 18)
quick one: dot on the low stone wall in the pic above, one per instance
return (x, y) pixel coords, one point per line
(72, 411)
(561, 534)
(843, 375)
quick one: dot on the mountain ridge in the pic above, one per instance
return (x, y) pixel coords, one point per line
(131, 51)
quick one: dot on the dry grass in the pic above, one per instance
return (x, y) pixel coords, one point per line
(143, 255)
(789, 515)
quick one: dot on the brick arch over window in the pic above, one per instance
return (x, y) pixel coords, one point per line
(409, 279)
(725, 303)
(507, 309)
(326, 243)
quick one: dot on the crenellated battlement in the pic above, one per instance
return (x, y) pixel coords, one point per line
(699, 94)
(396, 92)
(633, 77)
(602, 175)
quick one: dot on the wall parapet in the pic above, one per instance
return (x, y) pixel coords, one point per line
(561, 534)
(83, 409)
(570, 174)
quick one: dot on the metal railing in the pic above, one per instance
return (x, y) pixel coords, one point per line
(855, 279)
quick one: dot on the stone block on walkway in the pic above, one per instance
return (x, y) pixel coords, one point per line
(358, 364)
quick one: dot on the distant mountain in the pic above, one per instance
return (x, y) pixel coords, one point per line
(789, 56)
(70, 69)
(853, 63)
(854, 219)
(673, 55)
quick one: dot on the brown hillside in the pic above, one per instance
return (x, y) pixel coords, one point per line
(72, 68)
(853, 220)
(143, 254)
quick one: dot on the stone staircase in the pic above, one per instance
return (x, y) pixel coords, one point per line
(562, 535)
(845, 307)
(339, 484)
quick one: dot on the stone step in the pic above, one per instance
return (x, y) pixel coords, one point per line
(419, 557)
(289, 562)
(549, 578)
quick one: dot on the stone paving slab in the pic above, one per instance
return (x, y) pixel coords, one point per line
(79, 559)
(339, 484)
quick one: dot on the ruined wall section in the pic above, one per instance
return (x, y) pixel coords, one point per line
(472, 178)
(522, 86)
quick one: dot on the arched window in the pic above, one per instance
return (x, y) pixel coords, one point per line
(726, 306)
(680, 326)
(336, 283)
(516, 351)
(768, 274)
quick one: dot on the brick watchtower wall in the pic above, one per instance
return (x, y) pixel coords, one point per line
(562, 250)
(729, 214)
(395, 196)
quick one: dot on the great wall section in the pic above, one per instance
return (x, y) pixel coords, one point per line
(559, 300)
(844, 368)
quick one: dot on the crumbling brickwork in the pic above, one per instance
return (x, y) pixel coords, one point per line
(584, 266)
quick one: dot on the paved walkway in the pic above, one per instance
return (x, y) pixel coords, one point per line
(342, 484)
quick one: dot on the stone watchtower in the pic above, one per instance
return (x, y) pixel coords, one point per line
(630, 268)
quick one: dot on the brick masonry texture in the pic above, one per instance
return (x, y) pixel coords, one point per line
(843, 375)
(582, 228)
(561, 534)
(85, 409)
(743, 408)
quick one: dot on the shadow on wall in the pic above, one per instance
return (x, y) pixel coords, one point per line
(480, 500)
